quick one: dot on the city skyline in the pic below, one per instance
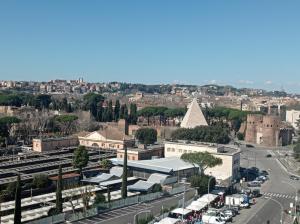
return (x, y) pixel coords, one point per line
(244, 44)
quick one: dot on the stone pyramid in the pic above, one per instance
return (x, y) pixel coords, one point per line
(194, 116)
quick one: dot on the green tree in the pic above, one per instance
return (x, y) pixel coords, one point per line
(6, 124)
(99, 112)
(217, 133)
(110, 111)
(42, 101)
(124, 176)
(59, 187)
(100, 198)
(11, 189)
(40, 181)
(66, 123)
(240, 136)
(201, 183)
(133, 114)
(203, 159)
(18, 209)
(124, 112)
(64, 105)
(80, 159)
(156, 188)
(146, 135)
(117, 110)
(105, 163)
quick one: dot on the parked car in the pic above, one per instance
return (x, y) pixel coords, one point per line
(268, 155)
(225, 217)
(245, 205)
(254, 184)
(264, 173)
(208, 219)
(255, 193)
(230, 212)
(235, 209)
(249, 146)
(293, 177)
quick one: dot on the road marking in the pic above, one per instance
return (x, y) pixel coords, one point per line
(97, 218)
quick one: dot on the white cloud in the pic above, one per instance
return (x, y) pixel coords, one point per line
(213, 81)
(247, 82)
(268, 82)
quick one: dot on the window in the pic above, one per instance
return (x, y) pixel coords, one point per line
(185, 151)
(180, 150)
(173, 150)
(168, 150)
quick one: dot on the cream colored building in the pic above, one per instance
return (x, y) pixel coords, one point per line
(230, 155)
(48, 144)
(108, 138)
(292, 116)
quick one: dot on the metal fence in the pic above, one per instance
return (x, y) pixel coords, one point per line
(104, 207)
(51, 219)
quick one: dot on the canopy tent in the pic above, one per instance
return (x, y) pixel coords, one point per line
(208, 198)
(181, 211)
(142, 186)
(169, 220)
(197, 206)
(100, 178)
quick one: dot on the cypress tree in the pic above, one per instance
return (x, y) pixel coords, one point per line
(117, 110)
(124, 176)
(133, 113)
(18, 209)
(110, 111)
(125, 112)
(99, 113)
(59, 202)
(122, 111)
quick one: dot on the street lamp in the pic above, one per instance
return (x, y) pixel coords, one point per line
(183, 197)
(296, 198)
(281, 207)
(140, 212)
(208, 184)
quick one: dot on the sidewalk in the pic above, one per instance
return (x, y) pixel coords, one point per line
(291, 166)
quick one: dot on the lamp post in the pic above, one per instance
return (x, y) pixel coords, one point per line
(281, 207)
(296, 195)
(140, 212)
(208, 184)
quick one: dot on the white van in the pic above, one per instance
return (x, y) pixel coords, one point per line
(207, 219)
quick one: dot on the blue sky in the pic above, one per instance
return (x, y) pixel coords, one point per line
(244, 43)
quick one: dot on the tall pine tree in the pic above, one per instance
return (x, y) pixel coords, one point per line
(124, 176)
(18, 209)
(59, 186)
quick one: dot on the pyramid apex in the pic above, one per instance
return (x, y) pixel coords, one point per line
(194, 116)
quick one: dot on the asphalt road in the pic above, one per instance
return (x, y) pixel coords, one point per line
(126, 215)
(277, 188)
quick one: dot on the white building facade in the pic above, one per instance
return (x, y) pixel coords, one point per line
(292, 116)
(230, 155)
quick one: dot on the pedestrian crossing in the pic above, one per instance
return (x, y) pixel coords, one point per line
(278, 195)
